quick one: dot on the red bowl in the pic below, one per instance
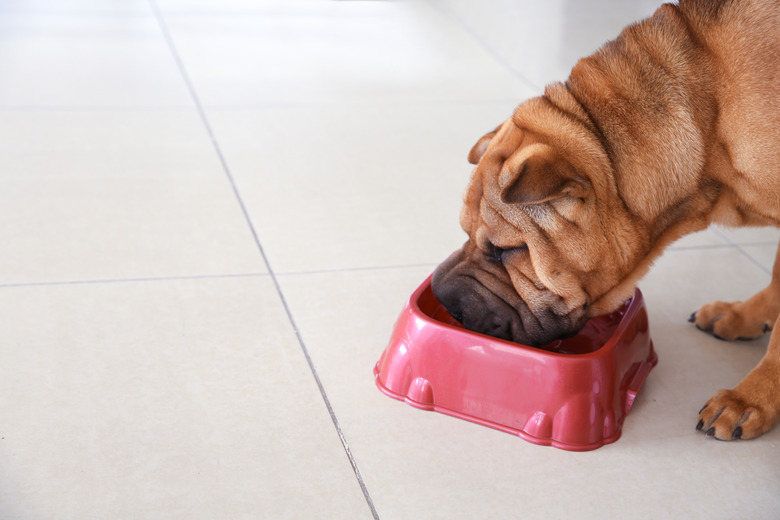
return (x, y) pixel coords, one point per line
(572, 394)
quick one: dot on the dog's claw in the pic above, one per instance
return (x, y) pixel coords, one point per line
(710, 432)
(700, 425)
(737, 433)
(707, 329)
(692, 318)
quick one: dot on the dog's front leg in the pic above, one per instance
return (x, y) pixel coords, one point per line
(743, 320)
(753, 406)
(750, 408)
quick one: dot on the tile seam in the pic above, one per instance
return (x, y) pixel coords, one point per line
(471, 34)
(742, 251)
(182, 70)
(99, 281)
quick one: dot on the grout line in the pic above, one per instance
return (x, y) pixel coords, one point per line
(96, 108)
(357, 269)
(228, 174)
(431, 265)
(52, 13)
(336, 270)
(704, 246)
(314, 272)
(381, 103)
(739, 248)
(371, 103)
(132, 280)
(11, 285)
(449, 14)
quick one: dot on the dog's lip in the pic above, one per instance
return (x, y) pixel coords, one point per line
(516, 325)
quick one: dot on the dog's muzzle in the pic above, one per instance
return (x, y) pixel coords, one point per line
(456, 285)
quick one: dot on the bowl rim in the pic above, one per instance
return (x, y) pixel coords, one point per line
(632, 306)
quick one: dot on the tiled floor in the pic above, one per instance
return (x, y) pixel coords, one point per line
(213, 213)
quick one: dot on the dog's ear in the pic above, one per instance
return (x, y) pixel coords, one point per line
(478, 150)
(542, 176)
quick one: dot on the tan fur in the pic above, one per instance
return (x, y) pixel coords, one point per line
(672, 126)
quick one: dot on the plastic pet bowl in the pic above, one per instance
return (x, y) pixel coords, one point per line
(572, 394)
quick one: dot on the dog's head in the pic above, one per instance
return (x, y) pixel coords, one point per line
(550, 242)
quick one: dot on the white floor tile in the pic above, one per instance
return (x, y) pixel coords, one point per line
(116, 195)
(762, 254)
(125, 7)
(756, 235)
(175, 399)
(706, 238)
(87, 60)
(373, 52)
(346, 187)
(542, 41)
(262, 7)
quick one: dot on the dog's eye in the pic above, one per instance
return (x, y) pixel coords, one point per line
(496, 252)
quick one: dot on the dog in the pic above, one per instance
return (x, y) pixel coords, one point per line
(671, 127)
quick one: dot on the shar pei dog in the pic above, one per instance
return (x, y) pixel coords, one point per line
(670, 127)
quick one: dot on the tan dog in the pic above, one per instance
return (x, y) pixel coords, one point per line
(672, 126)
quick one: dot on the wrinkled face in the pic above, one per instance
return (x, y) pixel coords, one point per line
(548, 239)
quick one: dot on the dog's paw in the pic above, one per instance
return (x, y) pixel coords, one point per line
(729, 416)
(732, 320)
